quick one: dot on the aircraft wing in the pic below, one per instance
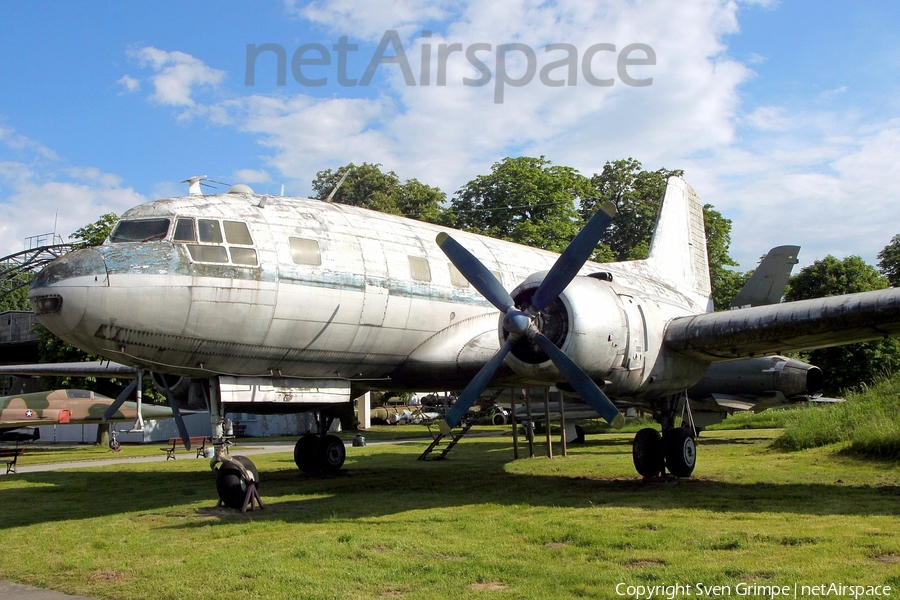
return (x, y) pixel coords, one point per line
(73, 369)
(790, 326)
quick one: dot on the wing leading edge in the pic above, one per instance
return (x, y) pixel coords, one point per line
(791, 326)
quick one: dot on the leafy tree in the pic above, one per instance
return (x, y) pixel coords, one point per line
(95, 233)
(525, 200)
(725, 283)
(851, 365)
(889, 261)
(367, 186)
(637, 195)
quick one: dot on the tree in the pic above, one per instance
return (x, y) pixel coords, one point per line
(95, 233)
(725, 283)
(637, 195)
(889, 261)
(852, 365)
(367, 186)
(525, 200)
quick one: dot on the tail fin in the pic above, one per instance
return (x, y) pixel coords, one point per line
(678, 249)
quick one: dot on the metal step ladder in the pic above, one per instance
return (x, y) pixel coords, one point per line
(446, 449)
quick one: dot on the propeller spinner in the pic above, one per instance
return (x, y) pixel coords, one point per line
(521, 324)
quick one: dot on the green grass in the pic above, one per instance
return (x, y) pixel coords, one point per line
(868, 423)
(478, 525)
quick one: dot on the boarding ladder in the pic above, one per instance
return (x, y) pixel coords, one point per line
(446, 449)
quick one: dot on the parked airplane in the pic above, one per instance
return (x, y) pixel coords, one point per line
(64, 407)
(274, 304)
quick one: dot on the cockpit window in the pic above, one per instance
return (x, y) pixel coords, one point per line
(184, 231)
(209, 231)
(236, 232)
(140, 230)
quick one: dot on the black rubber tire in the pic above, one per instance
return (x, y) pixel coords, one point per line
(681, 452)
(498, 419)
(330, 454)
(305, 453)
(231, 484)
(647, 452)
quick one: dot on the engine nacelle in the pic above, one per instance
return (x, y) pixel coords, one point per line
(588, 322)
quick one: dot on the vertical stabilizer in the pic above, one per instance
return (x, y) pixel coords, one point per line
(678, 248)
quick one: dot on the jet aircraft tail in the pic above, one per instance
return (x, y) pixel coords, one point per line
(678, 248)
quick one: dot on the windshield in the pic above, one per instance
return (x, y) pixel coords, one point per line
(142, 230)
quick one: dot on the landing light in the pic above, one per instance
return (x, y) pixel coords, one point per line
(45, 305)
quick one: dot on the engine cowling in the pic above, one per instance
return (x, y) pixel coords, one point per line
(587, 322)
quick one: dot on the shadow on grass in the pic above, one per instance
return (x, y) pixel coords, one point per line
(380, 484)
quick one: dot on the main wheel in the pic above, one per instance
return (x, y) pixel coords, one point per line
(681, 452)
(647, 452)
(330, 454)
(305, 453)
(231, 483)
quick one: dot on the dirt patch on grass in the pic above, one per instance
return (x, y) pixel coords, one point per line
(107, 575)
(891, 559)
(490, 586)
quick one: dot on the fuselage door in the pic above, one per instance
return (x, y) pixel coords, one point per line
(637, 333)
(376, 297)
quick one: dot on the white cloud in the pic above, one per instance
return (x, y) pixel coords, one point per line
(130, 83)
(177, 75)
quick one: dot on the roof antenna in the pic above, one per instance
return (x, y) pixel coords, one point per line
(194, 188)
(339, 183)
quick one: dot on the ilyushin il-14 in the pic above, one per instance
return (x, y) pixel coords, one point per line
(270, 304)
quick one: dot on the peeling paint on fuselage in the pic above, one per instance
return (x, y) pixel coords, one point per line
(163, 311)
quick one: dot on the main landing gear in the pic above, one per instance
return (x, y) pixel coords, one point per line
(674, 451)
(322, 452)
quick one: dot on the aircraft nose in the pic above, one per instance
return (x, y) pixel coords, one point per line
(60, 293)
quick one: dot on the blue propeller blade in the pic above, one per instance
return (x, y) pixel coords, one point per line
(583, 384)
(573, 257)
(474, 389)
(110, 412)
(176, 413)
(475, 273)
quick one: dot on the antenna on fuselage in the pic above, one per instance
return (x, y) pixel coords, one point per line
(194, 188)
(339, 183)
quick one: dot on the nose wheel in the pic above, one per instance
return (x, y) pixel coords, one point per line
(674, 451)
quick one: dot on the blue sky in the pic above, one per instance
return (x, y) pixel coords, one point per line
(784, 115)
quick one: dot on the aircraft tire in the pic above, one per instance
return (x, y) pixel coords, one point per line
(647, 452)
(579, 435)
(498, 419)
(231, 484)
(305, 453)
(330, 454)
(681, 452)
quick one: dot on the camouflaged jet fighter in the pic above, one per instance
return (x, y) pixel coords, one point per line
(64, 407)
(272, 304)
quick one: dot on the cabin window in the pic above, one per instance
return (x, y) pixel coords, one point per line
(209, 231)
(236, 232)
(456, 278)
(419, 269)
(305, 252)
(140, 230)
(184, 231)
(210, 254)
(78, 394)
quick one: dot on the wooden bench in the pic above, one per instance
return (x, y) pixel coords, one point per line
(10, 456)
(197, 443)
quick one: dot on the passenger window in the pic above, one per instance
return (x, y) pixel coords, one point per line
(209, 231)
(419, 269)
(456, 278)
(210, 254)
(243, 256)
(305, 252)
(236, 232)
(184, 231)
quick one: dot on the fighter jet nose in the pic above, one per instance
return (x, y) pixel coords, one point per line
(61, 292)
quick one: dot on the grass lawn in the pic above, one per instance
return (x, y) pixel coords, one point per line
(476, 525)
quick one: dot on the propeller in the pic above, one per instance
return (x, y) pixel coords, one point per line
(176, 413)
(520, 324)
(110, 412)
